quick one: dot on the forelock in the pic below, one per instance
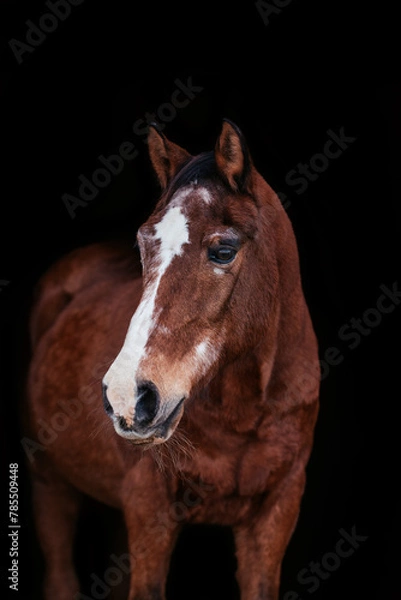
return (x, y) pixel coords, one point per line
(199, 170)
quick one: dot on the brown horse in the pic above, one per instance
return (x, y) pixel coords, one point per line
(208, 361)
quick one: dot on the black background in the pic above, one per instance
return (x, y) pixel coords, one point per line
(316, 66)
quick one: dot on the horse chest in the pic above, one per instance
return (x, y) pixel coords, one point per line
(222, 488)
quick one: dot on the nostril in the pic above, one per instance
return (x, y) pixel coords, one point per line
(107, 406)
(122, 423)
(147, 404)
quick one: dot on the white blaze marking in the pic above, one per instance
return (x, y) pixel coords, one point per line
(180, 196)
(205, 355)
(201, 350)
(206, 197)
(172, 232)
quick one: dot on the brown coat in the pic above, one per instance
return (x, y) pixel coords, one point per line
(227, 442)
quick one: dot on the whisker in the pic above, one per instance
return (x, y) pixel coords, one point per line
(183, 444)
(101, 428)
(97, 381)
(95, 409)
(157, 455)
(172, 455)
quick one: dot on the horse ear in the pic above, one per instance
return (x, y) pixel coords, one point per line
(232, 157)
(166, 157)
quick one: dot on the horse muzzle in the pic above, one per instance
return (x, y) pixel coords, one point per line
(149, 419)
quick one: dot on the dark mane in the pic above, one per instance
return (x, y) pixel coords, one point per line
(197, 170)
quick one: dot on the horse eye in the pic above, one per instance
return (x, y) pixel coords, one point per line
(222, 255)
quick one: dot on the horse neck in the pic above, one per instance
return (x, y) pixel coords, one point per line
(241, 393)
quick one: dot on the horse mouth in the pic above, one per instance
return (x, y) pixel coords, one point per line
(142, 442)
(156, 434)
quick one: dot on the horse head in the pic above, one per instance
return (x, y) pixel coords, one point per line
(210, 260)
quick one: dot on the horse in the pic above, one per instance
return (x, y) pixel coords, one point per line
(179, 382)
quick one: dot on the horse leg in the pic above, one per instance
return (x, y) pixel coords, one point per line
(152, 533)
(261, 544)
(56, 506)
